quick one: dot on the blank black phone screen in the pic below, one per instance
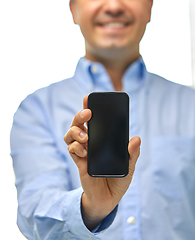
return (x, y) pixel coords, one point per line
(108, 131)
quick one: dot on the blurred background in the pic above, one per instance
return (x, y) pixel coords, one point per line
(39, 45)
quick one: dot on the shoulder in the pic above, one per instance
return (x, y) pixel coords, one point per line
(168, 88)
(59, 99)
(64, 86)
(53, 93)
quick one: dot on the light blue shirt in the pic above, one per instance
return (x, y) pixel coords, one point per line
(160, 202)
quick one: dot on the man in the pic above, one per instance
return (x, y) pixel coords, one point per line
(159, 203)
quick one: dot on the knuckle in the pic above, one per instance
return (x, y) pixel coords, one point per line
(78, 149)
(131, 171)
(66, 138)
(71, 130)
(70, 148)
(73, 147)
(71, 135)
(74, 131)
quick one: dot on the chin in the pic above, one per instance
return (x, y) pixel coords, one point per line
(114, 44)
(115, 47)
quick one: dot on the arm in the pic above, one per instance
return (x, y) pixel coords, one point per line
(101, 195)
(48, 207)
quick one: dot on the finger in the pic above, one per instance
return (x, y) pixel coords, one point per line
(77, 149)
(81, 117)
(85, 102)
(85, 105)
(134, 151)
(76, 134)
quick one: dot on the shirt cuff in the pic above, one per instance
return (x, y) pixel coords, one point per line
(74, 218)
(106, 222)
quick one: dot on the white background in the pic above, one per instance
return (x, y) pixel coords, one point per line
(39, 44)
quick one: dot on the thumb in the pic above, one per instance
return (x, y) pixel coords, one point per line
(134, 151)
(85, 101)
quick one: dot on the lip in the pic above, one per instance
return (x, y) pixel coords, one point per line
(113, 25)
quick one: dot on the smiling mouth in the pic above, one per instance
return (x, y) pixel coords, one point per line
(114, 25)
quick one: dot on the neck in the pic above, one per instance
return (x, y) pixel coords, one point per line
(115, 63)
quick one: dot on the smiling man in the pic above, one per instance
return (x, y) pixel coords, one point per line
(57, 199)
(112, 31)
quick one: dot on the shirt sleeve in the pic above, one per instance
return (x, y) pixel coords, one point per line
(48, 207)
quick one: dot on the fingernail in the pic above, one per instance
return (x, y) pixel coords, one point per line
(85, 152)
(83, 135)
(82, 113)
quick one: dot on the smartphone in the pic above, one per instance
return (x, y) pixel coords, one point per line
(108, 131)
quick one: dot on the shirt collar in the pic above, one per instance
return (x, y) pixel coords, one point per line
(135, 76)
(90, 74)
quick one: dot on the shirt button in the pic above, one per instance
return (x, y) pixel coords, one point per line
(89, 88)
(94, 69)
(131, 220)
(89, 236)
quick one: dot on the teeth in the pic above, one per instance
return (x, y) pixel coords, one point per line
(114, 25)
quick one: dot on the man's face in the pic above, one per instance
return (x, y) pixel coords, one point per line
(111, 24)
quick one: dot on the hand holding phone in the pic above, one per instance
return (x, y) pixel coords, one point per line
(101, 195)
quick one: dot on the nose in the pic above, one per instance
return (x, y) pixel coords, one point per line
(114, 7)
